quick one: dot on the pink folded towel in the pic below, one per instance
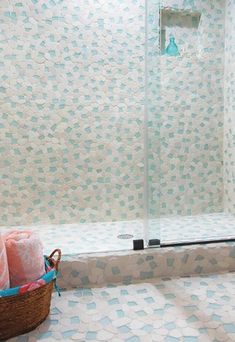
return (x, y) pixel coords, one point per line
(25, 257)
(4, 273)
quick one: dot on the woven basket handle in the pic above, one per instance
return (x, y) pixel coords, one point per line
(55, 261)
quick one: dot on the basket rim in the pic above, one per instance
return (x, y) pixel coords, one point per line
(26, 294)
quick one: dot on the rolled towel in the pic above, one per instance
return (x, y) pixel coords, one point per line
(4, 272)
(25, 257)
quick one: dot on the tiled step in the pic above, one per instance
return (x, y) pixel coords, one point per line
(79, 267)
(130, 267)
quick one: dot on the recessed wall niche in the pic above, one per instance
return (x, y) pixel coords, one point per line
(183, 25)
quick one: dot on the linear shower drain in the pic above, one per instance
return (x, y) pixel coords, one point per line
(125, 236)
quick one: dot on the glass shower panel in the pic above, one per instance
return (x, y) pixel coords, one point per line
(185, 107)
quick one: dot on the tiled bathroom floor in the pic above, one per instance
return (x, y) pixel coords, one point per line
(192, 309)
(103, 236)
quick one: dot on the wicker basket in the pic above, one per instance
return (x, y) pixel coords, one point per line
(22, 313)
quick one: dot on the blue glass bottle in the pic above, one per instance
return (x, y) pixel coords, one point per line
(172, 48)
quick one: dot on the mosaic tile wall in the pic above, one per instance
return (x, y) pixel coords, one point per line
(186, 113)
(72, 124)
(72, 104)
(229, 127)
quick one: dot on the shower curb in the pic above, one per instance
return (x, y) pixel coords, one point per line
(132, 266)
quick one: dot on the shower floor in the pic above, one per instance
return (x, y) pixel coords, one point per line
(117, 236)
(205, 227)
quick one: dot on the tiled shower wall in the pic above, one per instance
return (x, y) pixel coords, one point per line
(229, 121)
(186, 111)
(72, 110)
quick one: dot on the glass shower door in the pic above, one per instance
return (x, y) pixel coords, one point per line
(185, 124)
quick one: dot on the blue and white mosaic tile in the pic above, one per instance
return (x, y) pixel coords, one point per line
(128, 267)
(196, 309)
(220, 226)
(186, 109)
(94, 255)
(76, 239)
(72, 104)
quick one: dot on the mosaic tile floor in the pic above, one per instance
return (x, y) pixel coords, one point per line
(102, 237)
(183, 309)
(194, 228)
